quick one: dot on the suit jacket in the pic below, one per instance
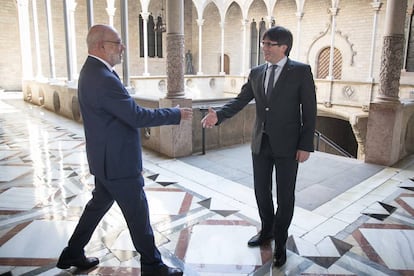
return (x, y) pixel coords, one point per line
(288, 117)
(112, 120)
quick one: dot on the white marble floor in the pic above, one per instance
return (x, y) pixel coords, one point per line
(202, 221)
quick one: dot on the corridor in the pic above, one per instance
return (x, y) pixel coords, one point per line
(351, 218)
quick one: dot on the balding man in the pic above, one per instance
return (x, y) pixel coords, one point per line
(112, 121)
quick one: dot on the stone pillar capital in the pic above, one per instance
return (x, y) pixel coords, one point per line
(110, 11)
(200, 22)
(71, 4)
(145, 15)
(299, 15)
(376, 5)
(22, 3)
(334, 11)
(269, 19)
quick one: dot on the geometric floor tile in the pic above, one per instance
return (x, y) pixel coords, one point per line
(33, 241)
(9, 173)
(18, 198)
(218, 207)
(64, 145)
(161, 180)
(379, 210)
(333, 270)
(407, 203)
(165, 202)
(7, 153)
(394, 246)
(123, 242)
(223, 249)
(408, 184)
(324, 254)
(153, 177)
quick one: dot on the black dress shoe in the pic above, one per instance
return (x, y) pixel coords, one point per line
(259, 239)
(163, 271)
(279, 257)
(66, 260)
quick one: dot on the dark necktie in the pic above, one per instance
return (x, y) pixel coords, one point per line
(271, 81)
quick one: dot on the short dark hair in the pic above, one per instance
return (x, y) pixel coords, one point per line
(281, 35)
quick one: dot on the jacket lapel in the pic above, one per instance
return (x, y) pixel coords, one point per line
(262, 82)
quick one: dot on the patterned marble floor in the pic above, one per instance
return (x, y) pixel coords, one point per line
(202, 221)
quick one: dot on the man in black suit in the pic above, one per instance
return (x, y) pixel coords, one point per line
(112, 121)
(284, 92)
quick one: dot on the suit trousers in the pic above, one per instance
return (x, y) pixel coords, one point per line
(131, 198)
(286, 171)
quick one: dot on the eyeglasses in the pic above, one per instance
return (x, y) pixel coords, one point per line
(115, 42)
(268, 44)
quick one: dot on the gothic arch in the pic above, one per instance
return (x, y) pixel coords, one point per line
(324, 40)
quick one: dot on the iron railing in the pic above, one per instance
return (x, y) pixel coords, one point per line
(320, 137)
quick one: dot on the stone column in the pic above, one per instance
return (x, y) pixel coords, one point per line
(376, 5)
(39, 72)
(410, 11)
(89, 12)
(175, 49)
(110, 10)
(299, 16)
(334, 13)
(51, 39)
(125, 39)
(175, 140)
(222, 48)
(244, 23)
(69, 7)
(25, 44)
(145, 16)
(385, 119)
(200, 23)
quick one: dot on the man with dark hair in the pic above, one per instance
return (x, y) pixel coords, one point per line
(112, 121)
(284, 92)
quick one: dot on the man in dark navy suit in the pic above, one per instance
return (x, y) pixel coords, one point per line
(112, 121)
(284, 92)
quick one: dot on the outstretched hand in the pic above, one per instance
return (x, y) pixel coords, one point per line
(186, 113)
(210, 119)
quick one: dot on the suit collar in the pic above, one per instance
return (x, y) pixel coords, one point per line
(107, 65)
(280, 63)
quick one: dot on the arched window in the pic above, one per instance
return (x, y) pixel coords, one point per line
(154, 35)
(226, 68)
(158, 36)
(141, 35)
(323, 64)
(151, 36)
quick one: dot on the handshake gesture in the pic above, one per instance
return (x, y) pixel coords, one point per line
(210, 119)
(186, 112)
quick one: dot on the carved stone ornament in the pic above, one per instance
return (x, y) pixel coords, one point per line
(391, 61)
(348, 91)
